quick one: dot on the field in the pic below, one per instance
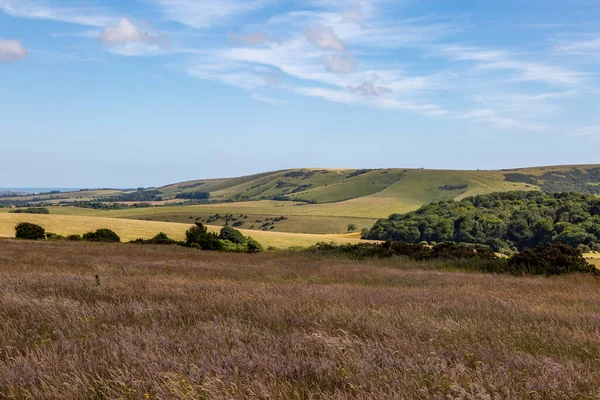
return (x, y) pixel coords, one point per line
(593, 258)
(129, 229)
(135, 322)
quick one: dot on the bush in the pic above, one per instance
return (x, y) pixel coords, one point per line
(253, 246)
(33, 210)
(231, 234)
(54, 236)
(102, 235)
(553, 259)
(197, 236)
(75, 238)
(160, 239)
(26, 230)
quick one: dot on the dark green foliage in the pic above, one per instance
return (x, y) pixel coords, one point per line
(194, 196)
(107, 206)
(502, 221)
(102, 235)
(54, 236)
(26, 230)
(553, 259)
(231, 234)
(139, 195)
(160, 239)
(199, 237)
(352, 228)
(443, 251)
(32, 210)
(75, 238)
(253, 246)
(359, 172)
(577, 180)
(454, 187)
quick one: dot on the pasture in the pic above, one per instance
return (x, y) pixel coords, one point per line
(86, 320)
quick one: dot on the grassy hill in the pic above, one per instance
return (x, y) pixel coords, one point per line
(326, 201)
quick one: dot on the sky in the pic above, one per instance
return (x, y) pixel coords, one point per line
(129, 93)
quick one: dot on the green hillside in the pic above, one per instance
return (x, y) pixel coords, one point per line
(413, 187)
(318, 200)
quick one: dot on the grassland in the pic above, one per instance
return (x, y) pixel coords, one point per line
(135, 322)
(593, 258)
(129, 229)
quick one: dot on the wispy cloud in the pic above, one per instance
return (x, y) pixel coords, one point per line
(128, 39)
(250, 39)
(206, 13)
(266, 99)
(589, 131)
(41, 10)
(11, 51)
(325, 37)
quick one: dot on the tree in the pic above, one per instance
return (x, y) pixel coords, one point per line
(26, 230)
(352, 228)
(198, 236)
(231, 234)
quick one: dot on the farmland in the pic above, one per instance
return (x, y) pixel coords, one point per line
(123, 321)
(129, 229)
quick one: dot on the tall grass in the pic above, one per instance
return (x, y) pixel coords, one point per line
(81, 320)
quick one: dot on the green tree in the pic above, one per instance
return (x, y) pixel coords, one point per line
(352, 228)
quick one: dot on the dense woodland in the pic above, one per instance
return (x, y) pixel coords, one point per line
(503, 221)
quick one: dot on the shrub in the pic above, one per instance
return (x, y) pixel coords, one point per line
(253, 246)
(33, 210)
(197, 236)
(102, 235)
(26, 230)
(231, 234)
(553, 259)
(74, 238)
(54, 236)
(160, 239)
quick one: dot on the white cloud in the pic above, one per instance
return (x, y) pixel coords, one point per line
(250, 39)
(269, 100)
(325, 37)
(128, 39)
(368, 89)
(11, 51)
(206, 13)
(490, 116)
(40, 10)
(339, 64)
(500, 60)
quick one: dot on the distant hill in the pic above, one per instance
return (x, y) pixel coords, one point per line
(393, 189)
(409, 186)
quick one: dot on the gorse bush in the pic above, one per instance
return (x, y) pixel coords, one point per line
(553, 259)
(102, 235)
(26, 230)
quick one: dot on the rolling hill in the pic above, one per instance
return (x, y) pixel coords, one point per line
(320, 201)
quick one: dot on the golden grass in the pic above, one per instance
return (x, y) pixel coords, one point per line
(132, 229)
(134, 322)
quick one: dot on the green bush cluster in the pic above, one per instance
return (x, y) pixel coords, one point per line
(26, 230)
(31, 210)
(102, 235)
(511, 220)
(553, 259)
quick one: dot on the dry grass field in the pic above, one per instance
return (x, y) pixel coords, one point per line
(135, 322)
(129, 229)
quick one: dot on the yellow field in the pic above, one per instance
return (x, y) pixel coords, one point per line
(133, 229)
(593, 258)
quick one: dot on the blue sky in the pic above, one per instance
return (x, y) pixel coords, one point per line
(128, 93)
